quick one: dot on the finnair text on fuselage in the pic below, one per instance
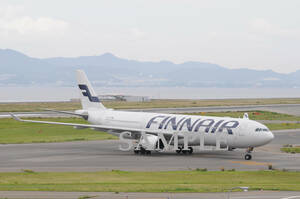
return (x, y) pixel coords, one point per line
(178, 124)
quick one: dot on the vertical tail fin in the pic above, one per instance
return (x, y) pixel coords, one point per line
(88, 97)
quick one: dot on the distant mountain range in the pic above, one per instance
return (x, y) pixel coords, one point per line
(17, 69)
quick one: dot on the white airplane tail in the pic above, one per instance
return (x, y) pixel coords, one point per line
(88, 97)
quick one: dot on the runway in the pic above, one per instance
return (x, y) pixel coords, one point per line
(110, 195)
(105, 155)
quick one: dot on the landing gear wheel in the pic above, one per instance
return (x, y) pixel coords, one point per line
(248, 157)
(230, 149)
(143, 151)
(191, 150)
(184, 151)
(136, 150)
(148, 152)
(179, 150)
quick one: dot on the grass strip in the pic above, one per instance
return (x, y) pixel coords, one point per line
(168, 181)
(158, 103)
(12, 131)
(295, 149)
(283, 126)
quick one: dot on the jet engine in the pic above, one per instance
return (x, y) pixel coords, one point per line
(148, 142)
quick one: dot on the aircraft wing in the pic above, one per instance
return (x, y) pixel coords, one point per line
(96, 127)
(83, 115)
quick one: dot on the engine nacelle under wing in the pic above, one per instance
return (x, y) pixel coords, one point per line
(151, 142)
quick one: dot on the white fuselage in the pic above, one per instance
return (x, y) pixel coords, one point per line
(233, 132)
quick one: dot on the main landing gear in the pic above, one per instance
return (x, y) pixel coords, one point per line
(248, 155)
(142, 151)
(189, 151)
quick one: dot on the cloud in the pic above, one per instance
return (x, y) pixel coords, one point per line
(137, 33)
(12, 21)
(27, 25)
(263, 26)
(10, 11)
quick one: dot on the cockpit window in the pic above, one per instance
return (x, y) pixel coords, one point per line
(261, 129)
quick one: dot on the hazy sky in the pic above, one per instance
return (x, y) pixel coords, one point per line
(258, 34)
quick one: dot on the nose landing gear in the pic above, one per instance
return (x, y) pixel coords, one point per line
(248, 155)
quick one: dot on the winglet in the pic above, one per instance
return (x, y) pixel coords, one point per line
(15, 117)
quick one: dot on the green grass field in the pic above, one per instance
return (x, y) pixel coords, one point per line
(12, 131)
(169, 181)
(253, 115)
(294, 149)
(283, 126)
(167, 103)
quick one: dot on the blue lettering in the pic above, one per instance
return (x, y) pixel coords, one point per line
(152, 120)
(229, 126)
(173, 123)
(163, 122)
(216, 126)
(188, 124)
(201, 124)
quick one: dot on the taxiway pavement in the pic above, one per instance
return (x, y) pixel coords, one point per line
(105, 155)
(110, 195)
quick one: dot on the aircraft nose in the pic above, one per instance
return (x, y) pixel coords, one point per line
(269, 137)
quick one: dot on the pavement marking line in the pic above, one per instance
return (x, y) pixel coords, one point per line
(251, 163)
(291, 197)
(254, 197)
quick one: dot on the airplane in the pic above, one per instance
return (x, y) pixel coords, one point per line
(161, 132)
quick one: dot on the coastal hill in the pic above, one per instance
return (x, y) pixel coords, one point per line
(17, 68)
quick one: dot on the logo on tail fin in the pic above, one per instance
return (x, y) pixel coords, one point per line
(86, 92)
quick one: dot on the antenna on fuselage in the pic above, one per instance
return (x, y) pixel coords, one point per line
(246, 116)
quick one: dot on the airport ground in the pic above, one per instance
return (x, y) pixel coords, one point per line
(126, 195)
(156, 103)
(191, 181)
(103, 155)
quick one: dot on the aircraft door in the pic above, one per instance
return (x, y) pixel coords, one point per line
(243, 129)
(238, 133)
